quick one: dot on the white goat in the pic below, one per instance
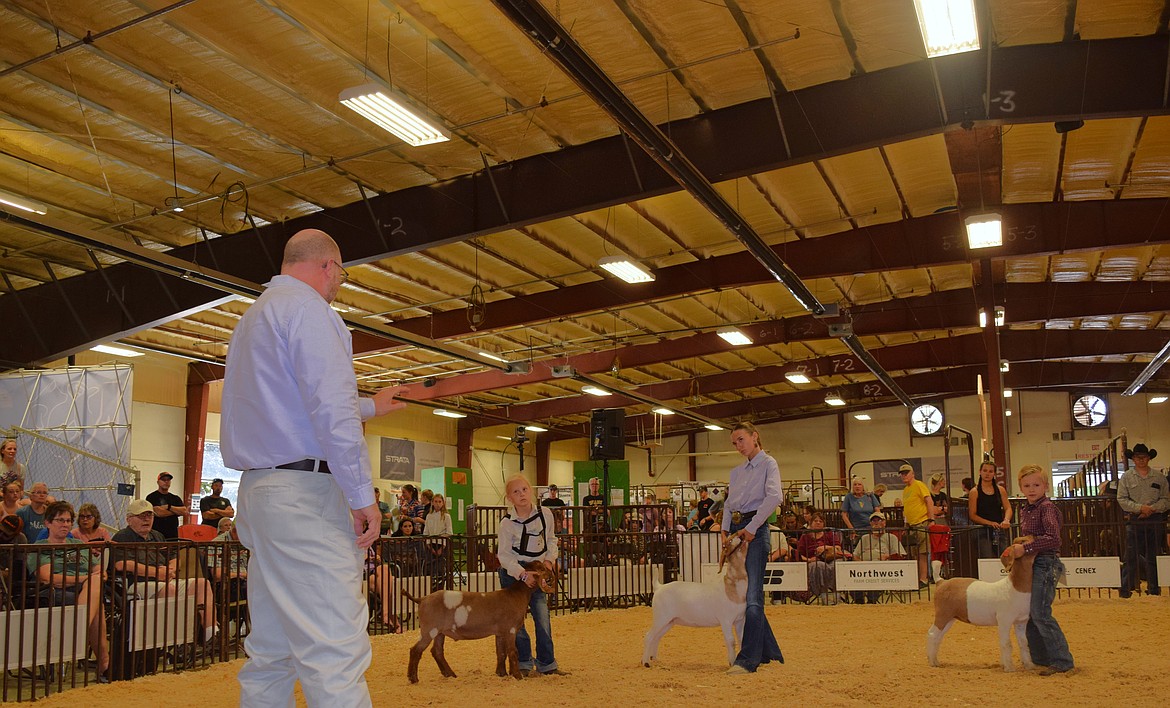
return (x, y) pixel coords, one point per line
(1006, 602)
(718, 601)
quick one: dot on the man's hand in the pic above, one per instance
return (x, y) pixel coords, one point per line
(367, 524)
(746, 535)
(384, 400)
(1146, 510)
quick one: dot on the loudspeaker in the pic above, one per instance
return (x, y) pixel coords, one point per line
(607, 434)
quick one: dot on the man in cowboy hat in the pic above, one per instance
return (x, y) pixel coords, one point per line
(1144, 496)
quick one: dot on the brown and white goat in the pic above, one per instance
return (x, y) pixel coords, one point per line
(475, 615)
(1006, 602)
(718, 601)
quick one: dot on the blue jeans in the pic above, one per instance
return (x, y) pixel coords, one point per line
(758, 644)
(1046, 641)
(538, 606)
(1143, 539)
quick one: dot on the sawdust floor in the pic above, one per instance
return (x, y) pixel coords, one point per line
(835, 656)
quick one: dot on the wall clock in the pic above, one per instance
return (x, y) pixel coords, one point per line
(1089, 411)
(926, 419)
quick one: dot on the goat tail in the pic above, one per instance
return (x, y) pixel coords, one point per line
(410, 597)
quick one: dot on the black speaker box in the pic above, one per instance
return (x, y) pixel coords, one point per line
(607, 434)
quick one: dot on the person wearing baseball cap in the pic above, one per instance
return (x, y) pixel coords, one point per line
(918, 510)
(215, 506)
(877, 545)
(553, 499)
(168, 508)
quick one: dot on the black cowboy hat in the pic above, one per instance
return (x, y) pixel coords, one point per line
(1141, 449)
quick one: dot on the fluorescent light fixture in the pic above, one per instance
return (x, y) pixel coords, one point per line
(834, 399)
(493, 357)
(712, 426)
(628, 270)
(797, 377)
(948, 26)
(116, 351)
(1007, 393)
(391, 111)
(449, 414)
(1000, 319)
(595, 391)
(1158, 399)
(663, 411)
(22, 203)
(1156, 363)
(535, 429)
(862, 416)
(734, 337)
(984, 230)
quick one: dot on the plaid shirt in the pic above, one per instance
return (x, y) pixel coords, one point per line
(1042, 521)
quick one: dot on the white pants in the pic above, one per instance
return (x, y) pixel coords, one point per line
(308, 612)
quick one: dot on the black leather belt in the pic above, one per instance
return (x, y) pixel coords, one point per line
(738, 516)
(309, 464)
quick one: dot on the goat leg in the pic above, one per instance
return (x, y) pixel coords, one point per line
(440, 657)
(1022, 640)
(509, 641)
(1005, 646)
(416, 654)
(934, 637)
(650, 646)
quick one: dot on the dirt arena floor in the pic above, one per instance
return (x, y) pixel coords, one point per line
(835, 656)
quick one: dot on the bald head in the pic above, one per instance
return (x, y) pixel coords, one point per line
(312, 257)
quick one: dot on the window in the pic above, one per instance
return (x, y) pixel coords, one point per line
(212, 468)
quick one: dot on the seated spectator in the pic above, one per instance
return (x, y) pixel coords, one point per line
(407, 553)
(33, 515)
(821, 549)
(228, 562)
(782, 553)
(13, 494)
(12, 563)
(382, 583)
(669, 523)
(150, 572)
(89, 525)
(73, 578)
(877, 545)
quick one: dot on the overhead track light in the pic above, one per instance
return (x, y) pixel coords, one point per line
(23, 203)
(712, 426)
(663, 411)
(493, 357)
(1148, 372)
(595, 391)
(627, 269)
(448, 414)
(984, 230)
(535, 429)
(734, 337)
(393, 112)
(948, 26)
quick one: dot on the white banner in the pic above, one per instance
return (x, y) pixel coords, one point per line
(786, 576)
(1087, 572)
(877, 575)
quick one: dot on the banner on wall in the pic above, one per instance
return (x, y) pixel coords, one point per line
(404, 460)
(886, 471)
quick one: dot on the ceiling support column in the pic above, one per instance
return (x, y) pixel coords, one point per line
(464, 435)
(199, 378)
(543, 452)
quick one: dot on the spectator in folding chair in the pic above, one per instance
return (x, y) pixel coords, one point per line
(12, 563)
(228, 562)
(150, 572)
(380, 577)
(408, 552)
(13, 493)
(73, 577)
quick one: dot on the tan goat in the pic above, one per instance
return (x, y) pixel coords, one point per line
(1006, 602)
(718, 601)
(475, 615)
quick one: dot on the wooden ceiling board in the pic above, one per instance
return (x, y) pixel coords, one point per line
(1149, 174)
(1103, 19)
(886, 32)
(952, 277)
(817, 57)
(805, 198)
(1018, 22)
(921, 170)
(1030, 163)
(1096, 156)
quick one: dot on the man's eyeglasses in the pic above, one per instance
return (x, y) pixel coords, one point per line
(144, 516)
(344, 272)
(62, 520)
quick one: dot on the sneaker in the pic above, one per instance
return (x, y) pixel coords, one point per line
(554, 672)
(736, 669)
